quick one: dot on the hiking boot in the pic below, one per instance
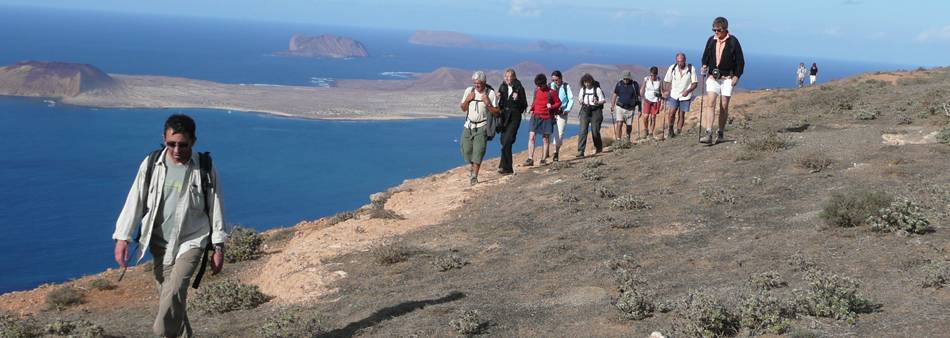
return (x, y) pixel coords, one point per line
(543, 161)
(668, 134)
(556, 157)
(719, 138)
(473, 180)
(529, 162)
(579, 155)
(707, 138)
(678, 132)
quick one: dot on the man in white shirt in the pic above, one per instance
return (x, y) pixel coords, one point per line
(680, 79)
(479, 103)
(175, 199)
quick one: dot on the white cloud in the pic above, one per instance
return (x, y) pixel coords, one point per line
(938, 33)
(524, 8)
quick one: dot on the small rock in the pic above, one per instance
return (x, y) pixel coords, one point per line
(657, 334)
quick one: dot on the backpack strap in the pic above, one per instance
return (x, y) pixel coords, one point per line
(149, 169)
(207, 187)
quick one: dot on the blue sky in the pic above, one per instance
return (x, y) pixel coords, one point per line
(907, 32)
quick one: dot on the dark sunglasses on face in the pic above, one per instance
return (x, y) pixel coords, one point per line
(173, 144)
(717, 30)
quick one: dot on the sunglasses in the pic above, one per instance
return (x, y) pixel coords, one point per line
(717, 30)
(173, 144)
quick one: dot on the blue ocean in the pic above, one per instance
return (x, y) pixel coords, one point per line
(66, 170)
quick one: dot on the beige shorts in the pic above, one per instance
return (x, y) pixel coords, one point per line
(624, 115)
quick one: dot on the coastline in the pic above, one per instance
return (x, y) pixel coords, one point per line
(161, 92)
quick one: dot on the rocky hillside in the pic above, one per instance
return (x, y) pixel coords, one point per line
(52, 79)
(823, 214)
(325, 46)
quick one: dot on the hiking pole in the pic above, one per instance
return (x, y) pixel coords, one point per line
(702, 104)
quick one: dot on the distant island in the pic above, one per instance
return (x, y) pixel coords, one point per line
(423, 95)
(52, 79)
(462, 40)
(325, 46)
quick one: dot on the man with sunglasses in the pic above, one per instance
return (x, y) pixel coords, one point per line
(174, 201)
(723, 63)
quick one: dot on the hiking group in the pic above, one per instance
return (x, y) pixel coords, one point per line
(174, 211)
(489, 112)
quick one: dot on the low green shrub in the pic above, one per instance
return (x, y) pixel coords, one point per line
(900, 215)
(469, 322)
(288, 323)
(604, 191)
(832, 296)
(341, 217)
(866, 115)
(935, 275)
(629, 202)
(101, 284)
(766, 281)
(391, 254)
(813, 161)
(944, 135)
(853, 209)
(702, 315)
(63, 297)
(226, 296)
(12, 326)
(381, 213)
(762, 313)
(769, 142)
(75, 328)
(449, 262)
(717, 196)
(591, 174)
(244, 244)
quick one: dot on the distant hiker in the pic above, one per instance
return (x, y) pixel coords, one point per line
(175, 205)
(652, 94)
(723, 63)
(480, 103)
(813, 77)
(591, 115)
(564, 93)
(513, 102)
(623, 107)
(801, 72)
(546, 104)
(681, 80)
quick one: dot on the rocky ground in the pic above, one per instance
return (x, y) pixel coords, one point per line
(668, 236)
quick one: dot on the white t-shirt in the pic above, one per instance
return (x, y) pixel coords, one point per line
(478, 113)
(650, 87)
(588, 98)
(680, 80)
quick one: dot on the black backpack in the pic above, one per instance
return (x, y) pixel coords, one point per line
(205, 166)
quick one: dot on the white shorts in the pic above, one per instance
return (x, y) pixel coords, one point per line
(813, 78)
(719, 87)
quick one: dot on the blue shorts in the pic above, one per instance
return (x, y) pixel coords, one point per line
(677, 104)
(542, 126)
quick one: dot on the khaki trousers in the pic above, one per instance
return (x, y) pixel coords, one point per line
(173, 281)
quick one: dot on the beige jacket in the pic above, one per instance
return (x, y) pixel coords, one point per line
(191, 231)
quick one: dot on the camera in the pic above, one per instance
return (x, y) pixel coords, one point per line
(716, 74)
(657, 93)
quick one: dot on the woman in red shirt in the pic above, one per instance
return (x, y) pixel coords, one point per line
(545, 106)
